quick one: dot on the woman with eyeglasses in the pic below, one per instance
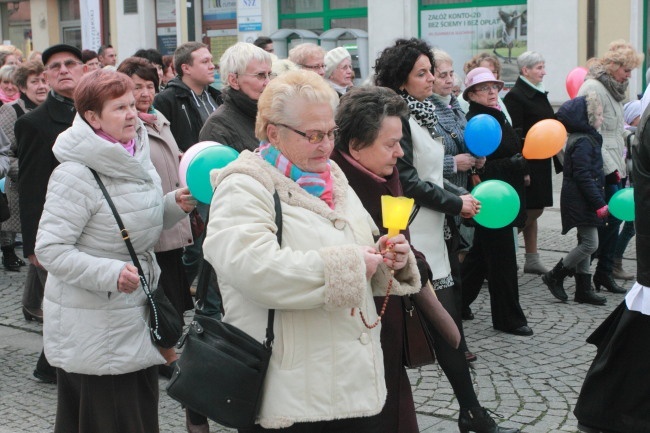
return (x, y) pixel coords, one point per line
(338, 70)
(508, 165)
(310, 57)
(407, 68)
(326, 371)
(245, 72)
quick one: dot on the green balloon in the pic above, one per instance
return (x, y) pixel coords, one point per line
(621, 205)
(499, 204)
(198, 171)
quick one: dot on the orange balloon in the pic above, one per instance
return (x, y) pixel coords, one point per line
(574, 80)
(544, 139)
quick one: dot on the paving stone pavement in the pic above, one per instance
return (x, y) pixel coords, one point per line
(532, 381)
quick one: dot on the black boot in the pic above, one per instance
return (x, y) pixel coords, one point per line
(608, 282)
(554, 280)
(44, 371)
(10, 260)
(477, 419)
(584, 293)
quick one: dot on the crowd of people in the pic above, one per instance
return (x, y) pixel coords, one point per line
(72, 121)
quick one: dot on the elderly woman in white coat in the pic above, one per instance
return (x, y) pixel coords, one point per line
(326, 372)
(96, 315)
(338, 70)
(609, 77)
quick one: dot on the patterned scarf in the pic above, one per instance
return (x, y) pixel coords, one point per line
(316, 184)
(422, 111)
(616, 89)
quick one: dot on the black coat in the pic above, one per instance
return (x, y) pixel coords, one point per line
(177, 104)
(36, 133)
(583, 183)
(233, 123)
(499, 165)
(528, 106)
(641, 174)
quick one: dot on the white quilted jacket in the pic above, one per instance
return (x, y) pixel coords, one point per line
(90, 327)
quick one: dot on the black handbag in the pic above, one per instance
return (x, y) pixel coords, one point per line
(165, 324)
(220, 373)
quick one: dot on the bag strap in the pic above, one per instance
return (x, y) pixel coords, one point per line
(206, 271)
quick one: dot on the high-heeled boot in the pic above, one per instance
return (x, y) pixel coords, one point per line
(478, 420)
(608, 282)
(584, 293)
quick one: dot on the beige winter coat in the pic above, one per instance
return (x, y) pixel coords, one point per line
(325, 364)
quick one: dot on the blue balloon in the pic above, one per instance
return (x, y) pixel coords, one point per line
(482, 135)
(2, 185)
(198, 172)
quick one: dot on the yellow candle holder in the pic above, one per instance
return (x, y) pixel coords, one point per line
(396, 212)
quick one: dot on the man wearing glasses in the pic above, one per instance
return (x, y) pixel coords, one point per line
(36, 133)
(309, 56)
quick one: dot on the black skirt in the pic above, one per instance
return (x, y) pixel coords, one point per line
(539, 194)
(615, 395)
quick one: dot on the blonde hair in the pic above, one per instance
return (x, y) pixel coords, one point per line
(476, 61)
(620, 53)
(281, 66)
(283, 93)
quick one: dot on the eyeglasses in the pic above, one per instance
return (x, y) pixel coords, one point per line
(314, 67)
(314, 137)
(488, 87)
(69, 64)
(261, 75)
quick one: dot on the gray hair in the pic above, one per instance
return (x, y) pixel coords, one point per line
(236, 58)
(299, 54)
(441, 56)
(529, 59)
(7, 73)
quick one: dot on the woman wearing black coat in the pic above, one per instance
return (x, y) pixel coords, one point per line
(493, 254)
(582, 201)
(527, 103)
(614, 395)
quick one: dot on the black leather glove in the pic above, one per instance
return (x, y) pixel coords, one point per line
(518, 162)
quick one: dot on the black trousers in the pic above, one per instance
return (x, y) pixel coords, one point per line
(107, 404)
(493, 256)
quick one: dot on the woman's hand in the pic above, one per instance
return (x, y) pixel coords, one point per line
(372, 259)
(464, 161)
(394, 251)
(185, 200)
(471, 206)
(129, 279)
(480, 162)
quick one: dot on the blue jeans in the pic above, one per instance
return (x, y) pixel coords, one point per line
(608, 236)
(624, 237)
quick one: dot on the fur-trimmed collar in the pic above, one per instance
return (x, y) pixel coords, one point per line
(290, 192)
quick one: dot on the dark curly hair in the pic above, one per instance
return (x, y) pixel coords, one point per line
(361, 112)
(395, 63)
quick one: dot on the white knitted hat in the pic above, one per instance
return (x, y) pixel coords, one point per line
(333, 58)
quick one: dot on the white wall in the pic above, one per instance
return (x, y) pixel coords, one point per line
(558, 43)
(389, 20)
(134, 31)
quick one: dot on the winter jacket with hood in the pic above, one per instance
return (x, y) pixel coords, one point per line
(179, 105)
(583, 182)
(325, 363)
(90, 327)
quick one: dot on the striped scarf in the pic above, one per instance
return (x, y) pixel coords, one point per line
(316, 184)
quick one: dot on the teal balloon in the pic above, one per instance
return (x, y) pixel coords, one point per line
(482, 135)
(621, 205)
(499, 204)
(198, 171)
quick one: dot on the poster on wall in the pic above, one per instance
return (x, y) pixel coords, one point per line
(91, 29)
(166, 26)
(463, 33)
(217, 10)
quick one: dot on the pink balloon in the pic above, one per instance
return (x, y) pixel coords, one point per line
(574, 80)
(189, 155)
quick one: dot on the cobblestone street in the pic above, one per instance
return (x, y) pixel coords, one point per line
(532, 381)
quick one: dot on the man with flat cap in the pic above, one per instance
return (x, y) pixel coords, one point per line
(36, 133)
